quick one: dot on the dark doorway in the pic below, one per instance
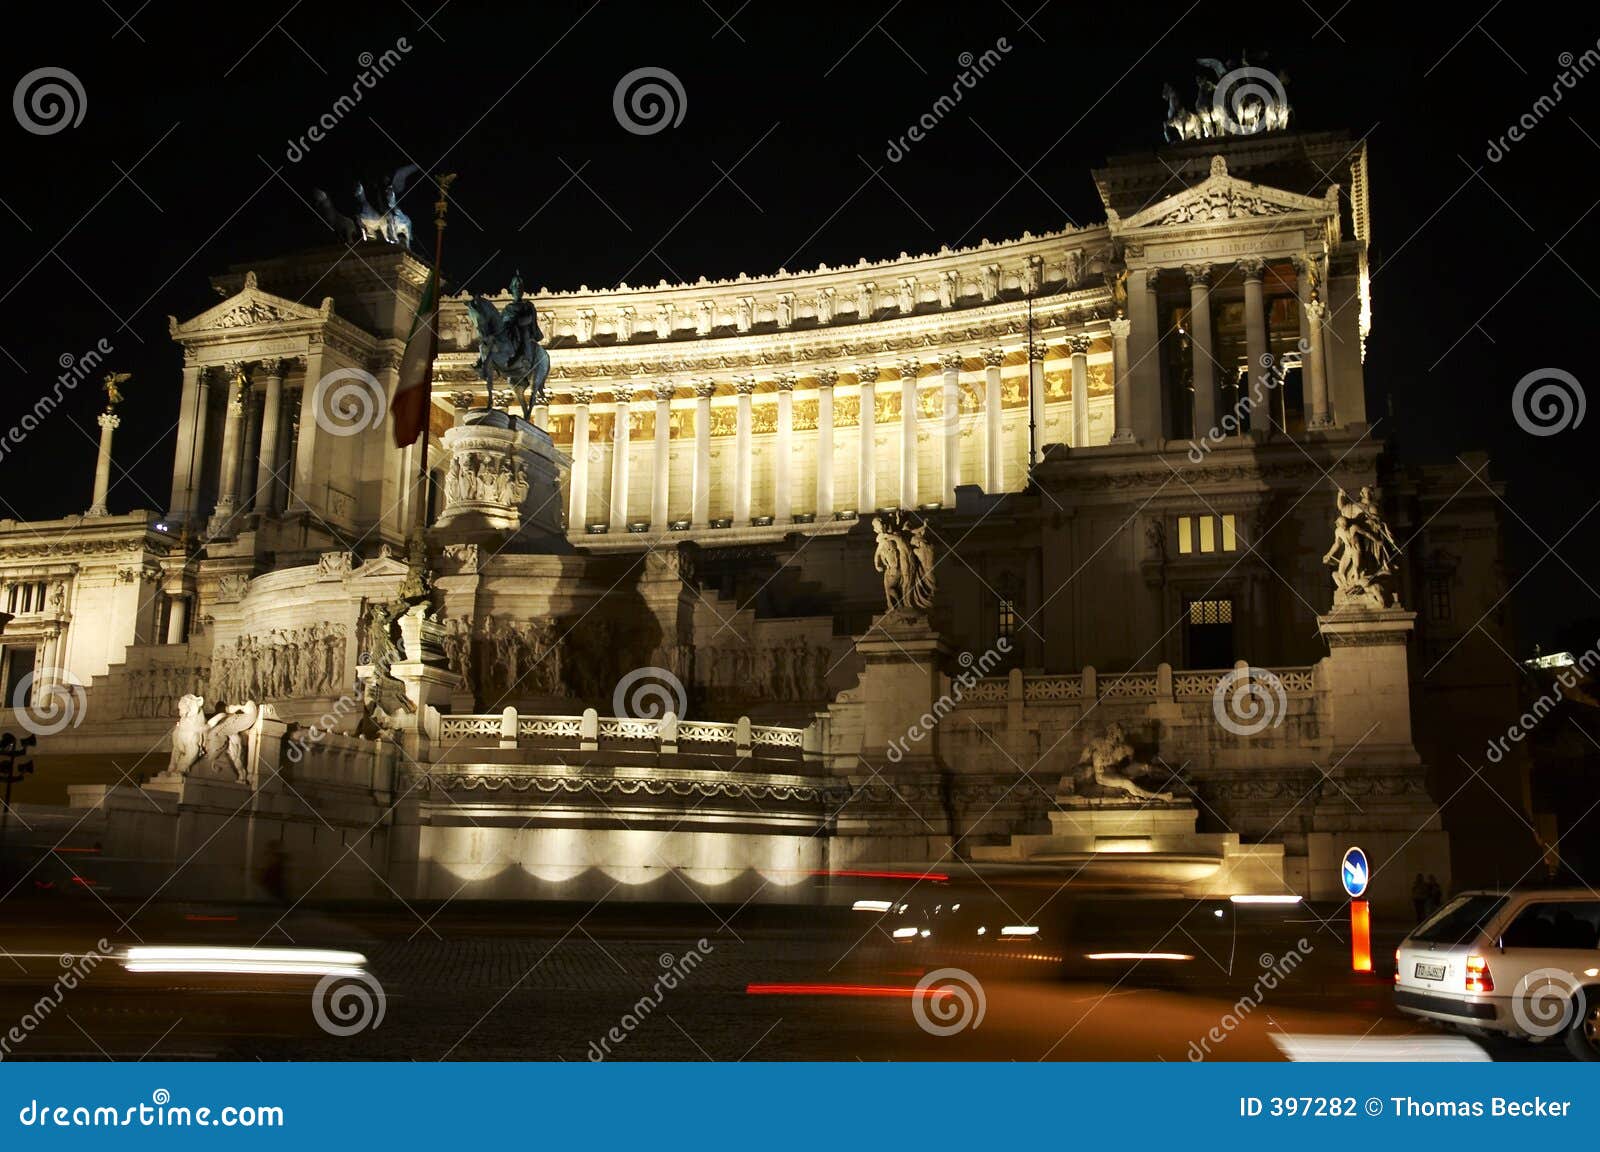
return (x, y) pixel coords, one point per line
(1209, 624)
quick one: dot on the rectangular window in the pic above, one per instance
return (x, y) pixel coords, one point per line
(1211, 611)
(1208, 533)
(1006, 627)
(1230, 539)
(1185, 535)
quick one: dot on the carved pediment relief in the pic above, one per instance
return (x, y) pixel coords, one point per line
(250, 308)
(1222, 197)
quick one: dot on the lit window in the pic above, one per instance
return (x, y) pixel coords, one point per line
(1007, 624)
(1208, 533)
(1211, 611)
(1185, 535)
(1230, 541)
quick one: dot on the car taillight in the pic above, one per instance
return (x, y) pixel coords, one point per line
(1397, 965)
(1478, 978)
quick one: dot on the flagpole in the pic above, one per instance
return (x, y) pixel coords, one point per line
(440, 206)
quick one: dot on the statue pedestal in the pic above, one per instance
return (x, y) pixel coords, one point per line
(503, 480)
(1145, 846)
(899, 684)
(1369, 690)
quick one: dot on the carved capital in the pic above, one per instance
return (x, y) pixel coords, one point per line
(461, 400)
(744, 385)
(1036, 351)
(994, 357)
(109, 419)
(1121, 327)
(786, 381)
(909, 369)
(1079, 344)
(951, 361)
(827, 377)
(665, 390)
(1253, 267)
(866, 374)
(582, 396)
(705, 389)
(1199, 275)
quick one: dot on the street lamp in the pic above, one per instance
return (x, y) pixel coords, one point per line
(11, 751)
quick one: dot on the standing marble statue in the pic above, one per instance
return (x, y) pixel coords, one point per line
(1363, 552)
(904, 555)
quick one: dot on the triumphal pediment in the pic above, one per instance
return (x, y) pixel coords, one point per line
(1223, 198)
(250, 307)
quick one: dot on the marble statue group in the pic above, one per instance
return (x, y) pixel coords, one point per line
(904, 556)
(1363, 551)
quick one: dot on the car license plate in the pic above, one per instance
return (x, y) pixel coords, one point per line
(1430, 971)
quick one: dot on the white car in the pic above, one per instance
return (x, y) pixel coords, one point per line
(1522, 963)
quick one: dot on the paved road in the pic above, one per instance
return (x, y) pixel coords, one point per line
(674, 983)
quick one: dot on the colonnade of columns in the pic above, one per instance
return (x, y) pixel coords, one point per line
(621, 513)
(254, 465)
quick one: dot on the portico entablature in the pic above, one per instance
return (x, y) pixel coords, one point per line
(254, 324)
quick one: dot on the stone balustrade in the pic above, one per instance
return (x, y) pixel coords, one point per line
(1164, 684)
(591, 732)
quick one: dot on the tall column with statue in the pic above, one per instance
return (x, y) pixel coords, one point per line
(109, 420)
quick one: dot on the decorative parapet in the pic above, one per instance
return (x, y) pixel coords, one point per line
(1160, 685)
(590, 732)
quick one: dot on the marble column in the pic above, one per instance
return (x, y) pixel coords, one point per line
(994, 464)
(1204, 365)
(661, 462)
(251, 450)
(228, 483)
(782, 503)
(1080, 390)
(619, 458)
(1256, 343)
(102, 464)
(195, 470)
(1122, 399)
(462, 403)
(177, 503)
(1145, 394)
(743, 447)
(177, 617)
(950, 427)
(267, 485)
(578, 495)
(867, 456)
(305, 459)
(908, 432)
(1317, 414)
(1036, 431)
(701, 511)
(541, 417)
(826, 379)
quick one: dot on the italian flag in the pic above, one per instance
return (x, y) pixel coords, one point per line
(412, 395)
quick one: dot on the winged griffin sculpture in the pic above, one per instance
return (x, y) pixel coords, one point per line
(215, 742)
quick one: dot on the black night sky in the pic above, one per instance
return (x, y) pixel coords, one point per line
(179, 168)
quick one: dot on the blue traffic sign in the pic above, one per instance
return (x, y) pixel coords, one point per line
(1353, 872)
